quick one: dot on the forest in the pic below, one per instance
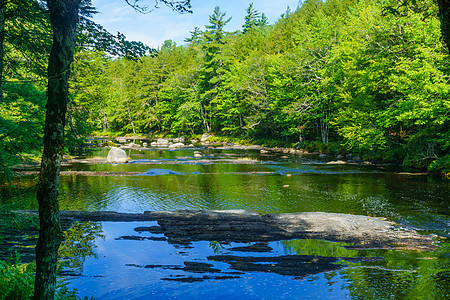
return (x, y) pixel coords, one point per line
(369, 78)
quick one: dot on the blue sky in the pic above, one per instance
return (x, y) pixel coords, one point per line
(164, 24)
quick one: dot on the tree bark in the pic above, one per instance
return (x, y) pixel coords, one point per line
(444, 16)
(63, 17)
(2, 41)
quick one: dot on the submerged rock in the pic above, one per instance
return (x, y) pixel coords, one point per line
(154, 172)
(117, 155)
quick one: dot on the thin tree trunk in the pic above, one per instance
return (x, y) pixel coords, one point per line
(130, 119)
(2, 41)
(63, 17)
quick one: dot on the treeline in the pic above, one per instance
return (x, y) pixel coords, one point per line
(352, 76)
(370, 77)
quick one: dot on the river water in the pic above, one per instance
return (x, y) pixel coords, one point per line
(116, 261)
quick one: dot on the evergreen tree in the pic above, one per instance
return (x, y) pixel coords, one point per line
(213, 66)
(253, 19)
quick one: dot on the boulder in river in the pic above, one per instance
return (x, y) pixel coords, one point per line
(180, 139)
(176, 145)
(204, 137)
(117, 155)
(163, 142)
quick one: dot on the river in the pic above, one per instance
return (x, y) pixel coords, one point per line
(145, 266)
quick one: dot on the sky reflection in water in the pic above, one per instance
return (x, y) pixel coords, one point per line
(232, 179)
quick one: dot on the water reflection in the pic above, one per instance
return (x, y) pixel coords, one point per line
(78, 244)
(236, 179)
(143, 265)
(232, 179)
(135, 261)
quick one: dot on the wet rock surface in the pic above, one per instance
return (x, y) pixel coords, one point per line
(185, 226)
(245, 226)
(222, 228)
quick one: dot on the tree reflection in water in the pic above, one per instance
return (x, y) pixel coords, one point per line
(79, 243)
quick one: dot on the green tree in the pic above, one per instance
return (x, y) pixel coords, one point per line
(213, 66)
(24, 40)
(253, 19)
(64, 16)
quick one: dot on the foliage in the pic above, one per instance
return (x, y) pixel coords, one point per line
(78, 244)
(365, 77)
(21, 122)
(17, 282)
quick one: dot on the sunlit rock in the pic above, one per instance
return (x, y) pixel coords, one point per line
(176, 146)
(205, 137)
(117, 155)
(163, 142)
(180, 139)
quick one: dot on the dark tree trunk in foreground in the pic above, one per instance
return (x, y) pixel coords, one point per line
(444, 16)
(2, 41)
(64, 17)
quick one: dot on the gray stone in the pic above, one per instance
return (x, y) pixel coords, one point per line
(340, 157)
(180, 139)
(176, 145)
(323, 155)
(205, 137)
(185, 226)
(117, 155)
(163, 142)
(337, 162)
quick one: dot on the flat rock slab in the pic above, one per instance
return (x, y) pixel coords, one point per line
(185, 226)
(245, 226)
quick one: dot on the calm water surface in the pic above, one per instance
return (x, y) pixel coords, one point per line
(150, 268)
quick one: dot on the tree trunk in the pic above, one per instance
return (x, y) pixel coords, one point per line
(2, 41)
(63, 17)
(444, 15)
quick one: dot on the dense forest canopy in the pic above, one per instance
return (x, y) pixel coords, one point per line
(342, 76)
